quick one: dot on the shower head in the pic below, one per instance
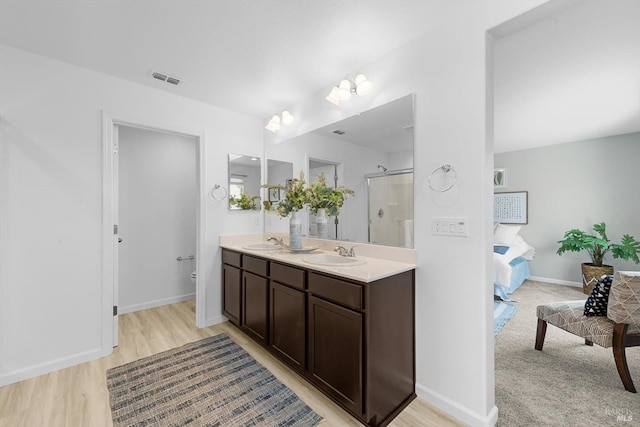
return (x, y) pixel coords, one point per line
(382, 167)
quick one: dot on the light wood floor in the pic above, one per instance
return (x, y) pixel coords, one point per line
(78, 396)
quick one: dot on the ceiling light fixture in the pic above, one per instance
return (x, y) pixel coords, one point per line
(274, 123)
(347, 87)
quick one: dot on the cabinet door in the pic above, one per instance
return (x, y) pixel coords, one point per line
(335, 352)
(231, 291)
(287, 325)
(254, 306)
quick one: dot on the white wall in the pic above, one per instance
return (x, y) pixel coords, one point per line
(400, 160)
(51, 290)
(156, 218)
(449, 70)
(576, 185)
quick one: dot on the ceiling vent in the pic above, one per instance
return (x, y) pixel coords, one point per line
(166, 78)
(339, 132)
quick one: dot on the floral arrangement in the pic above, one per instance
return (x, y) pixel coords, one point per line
(317, 196)
(244, 201)
(322, 197)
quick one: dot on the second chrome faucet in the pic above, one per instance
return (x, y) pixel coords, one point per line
(342, 251)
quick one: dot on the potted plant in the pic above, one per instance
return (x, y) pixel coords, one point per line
(324, 200)
(244, 201)
(294, 200)
(597, 247)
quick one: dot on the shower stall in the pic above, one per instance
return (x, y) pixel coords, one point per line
(390, 207)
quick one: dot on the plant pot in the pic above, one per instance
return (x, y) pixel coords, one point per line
(322, 222)
(591, 274)
(295, 230)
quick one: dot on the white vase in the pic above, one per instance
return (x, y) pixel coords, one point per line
(322, 223)
(295, 230)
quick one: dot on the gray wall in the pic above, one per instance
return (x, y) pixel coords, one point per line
(576, 185)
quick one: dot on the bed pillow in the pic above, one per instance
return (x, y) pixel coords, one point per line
(596, 304)
(499, 249)
(504, 234)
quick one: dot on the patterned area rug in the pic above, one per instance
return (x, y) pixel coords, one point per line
(502, 312)
(211, 382)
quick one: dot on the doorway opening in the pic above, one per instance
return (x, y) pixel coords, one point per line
(113, 239)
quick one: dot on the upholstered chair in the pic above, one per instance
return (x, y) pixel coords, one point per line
(619, 329)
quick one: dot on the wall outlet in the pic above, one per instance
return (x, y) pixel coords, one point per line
(448, 226)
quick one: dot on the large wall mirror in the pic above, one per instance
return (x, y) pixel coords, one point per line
(370, 153)
(244, 182)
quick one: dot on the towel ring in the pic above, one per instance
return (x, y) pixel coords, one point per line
(218, 193)
(445, 170)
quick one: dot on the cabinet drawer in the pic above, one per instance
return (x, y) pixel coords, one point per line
(255, 265)
(231, 258)
(288, 275)
(336, 290)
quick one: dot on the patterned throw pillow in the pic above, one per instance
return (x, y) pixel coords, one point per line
(596, 304)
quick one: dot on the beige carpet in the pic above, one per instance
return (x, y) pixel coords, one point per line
(568, 383)
(211, 382)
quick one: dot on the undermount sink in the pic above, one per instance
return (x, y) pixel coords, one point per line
(331, 260)
(261, 247)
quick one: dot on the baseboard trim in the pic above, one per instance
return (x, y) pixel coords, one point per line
(51, 366)
(156, 303)
(216, 320)
(456, 410)
(556, 281)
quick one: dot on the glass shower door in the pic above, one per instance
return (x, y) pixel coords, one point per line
(391, 209)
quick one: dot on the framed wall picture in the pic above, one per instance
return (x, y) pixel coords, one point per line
(499, 177)
(274, 195)
(511, 207)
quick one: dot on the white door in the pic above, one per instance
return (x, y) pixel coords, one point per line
(116, 237)
(157, 218)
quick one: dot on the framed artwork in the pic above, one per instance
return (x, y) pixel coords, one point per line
(499, 177)
(274, 195)
(511, 207)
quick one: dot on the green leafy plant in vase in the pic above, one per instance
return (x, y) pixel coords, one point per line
(328, 198)
(598, 246)
(324, 200)
(244, 201)
(294, 199)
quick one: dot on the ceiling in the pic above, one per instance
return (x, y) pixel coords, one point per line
(573, 76)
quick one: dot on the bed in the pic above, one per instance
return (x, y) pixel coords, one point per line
(511, 256)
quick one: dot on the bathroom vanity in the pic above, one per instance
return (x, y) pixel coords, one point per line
(346, 330)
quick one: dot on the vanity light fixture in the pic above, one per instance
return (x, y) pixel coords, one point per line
(347, 87)
(274, 123)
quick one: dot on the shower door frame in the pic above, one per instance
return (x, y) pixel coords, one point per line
(367, 178)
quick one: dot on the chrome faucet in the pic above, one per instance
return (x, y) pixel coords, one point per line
(342, 251)
(277, 241)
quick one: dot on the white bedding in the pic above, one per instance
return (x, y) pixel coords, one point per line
(517, 248)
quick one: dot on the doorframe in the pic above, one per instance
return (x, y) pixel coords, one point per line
(109, 279)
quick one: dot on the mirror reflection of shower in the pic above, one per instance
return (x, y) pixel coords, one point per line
(390, 207)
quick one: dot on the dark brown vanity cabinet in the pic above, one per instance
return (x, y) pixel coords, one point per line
(231, 286)
(335, 352)
(287, 316)
(255, 298)
(354, 341)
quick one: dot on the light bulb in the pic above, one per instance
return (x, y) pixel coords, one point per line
(333, 96)
(344, 90)
(287, 118)
(274, 124)
(363, 86)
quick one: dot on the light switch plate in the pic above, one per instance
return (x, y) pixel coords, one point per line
(450, 226)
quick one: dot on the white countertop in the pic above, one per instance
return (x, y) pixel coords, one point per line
(373, 269)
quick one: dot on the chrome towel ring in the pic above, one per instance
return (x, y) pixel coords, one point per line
(445, 170)
(218, 193)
